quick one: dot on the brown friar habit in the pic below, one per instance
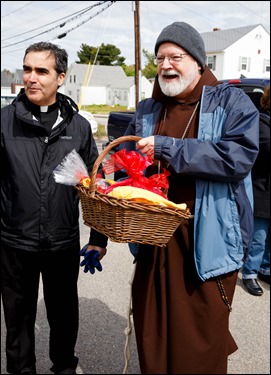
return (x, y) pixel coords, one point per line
(181, 323)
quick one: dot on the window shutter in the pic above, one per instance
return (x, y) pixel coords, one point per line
(239, 63)
(214, 62)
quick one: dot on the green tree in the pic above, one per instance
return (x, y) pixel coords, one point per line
(106, 54)
(150, 69)
(129, 70)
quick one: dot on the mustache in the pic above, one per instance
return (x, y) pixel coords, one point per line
(29, 86)
(171, 72)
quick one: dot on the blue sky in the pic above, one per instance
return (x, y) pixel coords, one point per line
(26, 22)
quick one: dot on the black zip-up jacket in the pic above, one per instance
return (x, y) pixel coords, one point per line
(261, 169)
(36, 212)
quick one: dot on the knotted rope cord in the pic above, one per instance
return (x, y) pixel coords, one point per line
(223, 293)
(128, 329)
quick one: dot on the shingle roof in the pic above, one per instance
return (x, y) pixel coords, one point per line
(219, 40)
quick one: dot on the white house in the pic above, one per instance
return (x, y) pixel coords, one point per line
(240, 51)
(101, 84)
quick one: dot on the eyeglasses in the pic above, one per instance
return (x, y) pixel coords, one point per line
(175, 59)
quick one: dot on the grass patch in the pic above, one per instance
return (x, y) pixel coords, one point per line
(104, 109)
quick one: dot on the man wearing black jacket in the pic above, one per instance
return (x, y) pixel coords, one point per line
(39, 217)
(257, 264)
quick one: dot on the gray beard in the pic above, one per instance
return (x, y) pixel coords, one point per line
(177, 87)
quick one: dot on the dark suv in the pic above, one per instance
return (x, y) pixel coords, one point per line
(249, 84)
(253, 87)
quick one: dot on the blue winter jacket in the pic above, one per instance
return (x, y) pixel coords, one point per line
(221, 159)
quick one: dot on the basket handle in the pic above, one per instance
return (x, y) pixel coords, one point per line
(102, 155)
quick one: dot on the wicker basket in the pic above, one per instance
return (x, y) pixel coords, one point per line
(124, 220)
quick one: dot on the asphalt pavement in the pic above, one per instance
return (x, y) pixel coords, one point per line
(104, 302)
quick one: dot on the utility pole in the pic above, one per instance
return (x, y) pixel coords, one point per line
(137, 54)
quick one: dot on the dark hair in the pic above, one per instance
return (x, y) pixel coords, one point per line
(265, 99)
(61, 56)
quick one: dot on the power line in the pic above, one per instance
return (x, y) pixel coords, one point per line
(82, 23)
(50, 23)
(42, 15)
(63, 24)
(252, 11)
(16, 10)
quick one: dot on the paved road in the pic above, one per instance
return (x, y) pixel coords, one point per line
(104, 301)
(101, 119)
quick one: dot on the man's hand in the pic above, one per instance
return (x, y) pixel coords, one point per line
(146, 146)
(92, 256)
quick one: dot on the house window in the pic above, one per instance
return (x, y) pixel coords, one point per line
(266, 66)
(211, 62)
(125, 96)
(244, 64)
(74, 79)
(70, 79)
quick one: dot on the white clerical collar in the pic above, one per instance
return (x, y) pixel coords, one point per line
(44, 108)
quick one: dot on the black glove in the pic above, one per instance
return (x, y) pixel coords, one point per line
(90, 260)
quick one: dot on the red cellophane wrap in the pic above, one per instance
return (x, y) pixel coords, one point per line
(134, 163)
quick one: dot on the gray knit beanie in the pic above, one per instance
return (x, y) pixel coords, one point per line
(185, 36)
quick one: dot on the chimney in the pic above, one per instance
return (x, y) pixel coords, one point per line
(13, 88)
(216, 29)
